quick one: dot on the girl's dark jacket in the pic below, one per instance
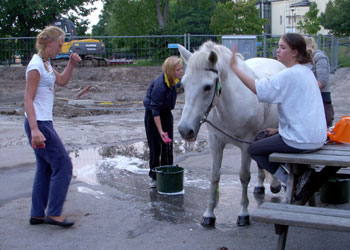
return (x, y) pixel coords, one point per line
(159, 97)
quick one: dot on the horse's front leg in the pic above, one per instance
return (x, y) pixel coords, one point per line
(216, 149)
(244, 175)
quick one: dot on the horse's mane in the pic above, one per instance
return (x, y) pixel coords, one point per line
(199, 59)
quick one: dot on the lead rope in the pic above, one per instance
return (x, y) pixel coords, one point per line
(204, 119)
(223, 132)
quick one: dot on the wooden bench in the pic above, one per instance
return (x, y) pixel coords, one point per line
(284, 215)
(334, 158)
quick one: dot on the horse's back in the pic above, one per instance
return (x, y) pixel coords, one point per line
(264, 67)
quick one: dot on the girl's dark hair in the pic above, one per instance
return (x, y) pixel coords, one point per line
(297, 42)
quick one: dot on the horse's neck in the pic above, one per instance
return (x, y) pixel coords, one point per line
(235, 96)
(233, 89)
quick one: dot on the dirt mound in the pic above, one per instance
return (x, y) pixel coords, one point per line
(117, 88)
(110, 87)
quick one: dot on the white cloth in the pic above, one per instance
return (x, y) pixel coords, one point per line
(43, 102)
(302, 122)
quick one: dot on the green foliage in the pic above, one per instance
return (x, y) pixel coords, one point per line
(25, 18)
(99, 29)
(336, 17)
(344, 55)
(311, 23)
(241, 17)
(131, 17)
(191, 16)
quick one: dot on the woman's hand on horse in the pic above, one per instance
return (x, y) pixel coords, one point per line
(233, 61)
(272, 131)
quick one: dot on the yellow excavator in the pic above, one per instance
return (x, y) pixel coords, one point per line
(91, 51)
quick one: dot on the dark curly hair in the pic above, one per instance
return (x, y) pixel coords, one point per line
(297, 42)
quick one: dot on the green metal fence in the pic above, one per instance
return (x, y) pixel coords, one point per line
(152, 50)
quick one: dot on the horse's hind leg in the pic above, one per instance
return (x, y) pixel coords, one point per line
(244, 175)
(216, 149)
(259, 189)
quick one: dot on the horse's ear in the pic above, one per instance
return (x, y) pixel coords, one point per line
(213, 58)
(185, 54)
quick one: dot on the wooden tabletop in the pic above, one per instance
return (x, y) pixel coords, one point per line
(337, 155)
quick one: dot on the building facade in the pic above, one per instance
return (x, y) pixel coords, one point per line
(285, 15)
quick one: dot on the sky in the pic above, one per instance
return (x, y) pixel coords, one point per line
(94, 15)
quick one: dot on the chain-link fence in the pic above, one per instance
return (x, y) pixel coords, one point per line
(152, 50)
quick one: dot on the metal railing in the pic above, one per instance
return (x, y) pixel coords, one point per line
(152, 50)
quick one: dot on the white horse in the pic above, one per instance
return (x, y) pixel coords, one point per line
(214, 93)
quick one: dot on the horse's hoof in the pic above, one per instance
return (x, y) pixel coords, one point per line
(243, 220)
(208, 222)
(259, 190)
(276, 189)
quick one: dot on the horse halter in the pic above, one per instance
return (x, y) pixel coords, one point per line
(217, 91)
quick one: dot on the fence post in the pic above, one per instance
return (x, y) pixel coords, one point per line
(264, 53)
(334, 53)
(189, 41)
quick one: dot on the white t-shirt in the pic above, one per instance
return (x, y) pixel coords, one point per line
(302, 122)
(43, 102)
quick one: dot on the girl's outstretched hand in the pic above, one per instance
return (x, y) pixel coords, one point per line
(233, 61)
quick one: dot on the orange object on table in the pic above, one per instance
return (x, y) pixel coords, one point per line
(340, 133)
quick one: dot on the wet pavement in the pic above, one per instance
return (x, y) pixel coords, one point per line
(114, 208)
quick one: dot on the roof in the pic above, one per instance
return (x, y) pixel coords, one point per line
(303, 3)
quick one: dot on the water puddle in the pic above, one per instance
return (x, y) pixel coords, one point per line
(96, 165)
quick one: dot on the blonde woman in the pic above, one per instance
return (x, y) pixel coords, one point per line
(321, 70)
(160, 99)
(53, 165)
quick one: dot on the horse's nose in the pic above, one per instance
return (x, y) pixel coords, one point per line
(186, 132)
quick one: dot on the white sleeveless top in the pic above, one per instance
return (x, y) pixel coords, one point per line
(43, 102)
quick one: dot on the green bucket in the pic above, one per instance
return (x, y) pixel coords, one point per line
(170, 179)
(335, 191)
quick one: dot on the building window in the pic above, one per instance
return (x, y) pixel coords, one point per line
(280, 20)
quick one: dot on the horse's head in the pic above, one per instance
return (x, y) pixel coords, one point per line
(201, 82)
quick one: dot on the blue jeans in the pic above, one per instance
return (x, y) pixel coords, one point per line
(260, 151)
(53, 172)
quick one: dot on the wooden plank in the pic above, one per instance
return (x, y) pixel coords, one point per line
(301, 216)
(313, 159)
(307, 210)
(302, 220)
(332, 152)
(341, 147)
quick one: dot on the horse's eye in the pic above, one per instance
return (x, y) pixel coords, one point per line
(207, 88)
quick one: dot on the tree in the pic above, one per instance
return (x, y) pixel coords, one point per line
(191, 16)
(336, 17)
(162, 15)
(128, 17)
(311, 23)
(21, 18)
(133, 17)
(241, 17)
(99, 29)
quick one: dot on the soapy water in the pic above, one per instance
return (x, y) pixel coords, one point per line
(125, 168)
(91, 165)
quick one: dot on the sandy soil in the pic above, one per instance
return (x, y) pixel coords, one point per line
(117, 86)
(116, 112)
(129, 214)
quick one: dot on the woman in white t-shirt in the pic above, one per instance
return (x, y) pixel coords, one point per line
(302, 125)
(53, 165)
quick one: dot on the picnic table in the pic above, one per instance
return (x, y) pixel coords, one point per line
(328, 160)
